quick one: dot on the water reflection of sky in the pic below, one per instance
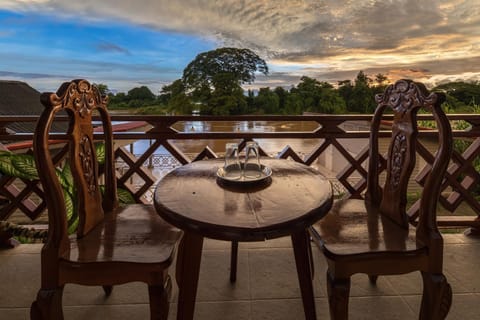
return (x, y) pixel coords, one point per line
(329, 162)
(225, 126)
(271, 146)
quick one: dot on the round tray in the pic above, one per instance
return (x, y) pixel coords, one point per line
(237, 177)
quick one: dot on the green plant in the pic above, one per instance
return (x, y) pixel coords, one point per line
(23, 166)
(22, 233)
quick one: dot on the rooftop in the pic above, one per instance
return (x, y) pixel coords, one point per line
(19, 99)
(266, 287)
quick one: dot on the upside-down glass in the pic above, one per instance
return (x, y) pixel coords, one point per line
(232, 167)
(252, 168)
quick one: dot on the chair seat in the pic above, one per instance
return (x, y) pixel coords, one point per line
(134, 233)
(349, 230)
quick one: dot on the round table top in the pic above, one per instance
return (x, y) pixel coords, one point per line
(294, 197)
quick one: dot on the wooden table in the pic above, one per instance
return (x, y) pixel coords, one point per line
(191, 198)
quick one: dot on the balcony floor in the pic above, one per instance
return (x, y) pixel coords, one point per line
(266, 287)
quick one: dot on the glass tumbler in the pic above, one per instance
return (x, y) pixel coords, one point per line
(232, 167)
(252, 168)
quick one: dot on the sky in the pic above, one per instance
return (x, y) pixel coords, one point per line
(131, 43)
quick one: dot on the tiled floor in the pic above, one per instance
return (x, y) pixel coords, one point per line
(266, 288)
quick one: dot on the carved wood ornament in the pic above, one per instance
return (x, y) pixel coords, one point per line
(398, 158)
(405, 96)
(87, 158)
(79, 97)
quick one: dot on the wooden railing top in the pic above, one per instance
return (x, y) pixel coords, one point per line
(328, 124)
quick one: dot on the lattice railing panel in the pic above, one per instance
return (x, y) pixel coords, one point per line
(355, 166)
(140, 172)
(132, 175)
(23, 195)
(463, 177)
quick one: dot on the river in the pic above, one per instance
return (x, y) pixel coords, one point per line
(329, 162)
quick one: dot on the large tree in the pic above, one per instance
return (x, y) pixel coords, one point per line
(216, 74)
(240, 64)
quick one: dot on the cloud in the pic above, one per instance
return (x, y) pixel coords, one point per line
(105, 46)
(334, 37)
(287, 26)
(26, 75)
(50, 82)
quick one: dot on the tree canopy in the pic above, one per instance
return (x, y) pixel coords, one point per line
(213, 79)
(240, 64)
(468, 93)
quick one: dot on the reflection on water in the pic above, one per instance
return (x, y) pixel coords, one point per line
(245, 126)
(271, 146)
(328, 162)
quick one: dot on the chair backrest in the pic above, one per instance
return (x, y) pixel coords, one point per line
(405, 98)
(78, 99)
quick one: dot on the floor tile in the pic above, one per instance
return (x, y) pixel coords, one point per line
(22, 249)
(360, 286)
(464, 306)
(285, 309)
(129, 293)
(214, 280)
(20, 279)
(212, 244)
(227, 310)
(273, 274)
(266, 288)
(102, 312)
(379, 308)
(15, 314)
(460, 261)
(406, 284)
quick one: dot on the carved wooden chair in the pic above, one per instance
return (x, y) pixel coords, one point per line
(114, 244)
(374, 236)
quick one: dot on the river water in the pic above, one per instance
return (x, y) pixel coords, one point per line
(270, 146)
(329, 162)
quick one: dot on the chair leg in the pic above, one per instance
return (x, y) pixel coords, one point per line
(437, 297)
(373, 279)
(310, 257)
(48, 305)
(159, 300)
(234, 262)
(338, 295)
(107, 290)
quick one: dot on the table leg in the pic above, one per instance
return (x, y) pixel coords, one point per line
(302, 260)
(233, 262)
(188, 269)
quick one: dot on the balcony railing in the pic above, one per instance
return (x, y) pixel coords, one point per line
(337, 145)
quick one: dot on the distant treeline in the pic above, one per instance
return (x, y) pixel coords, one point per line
(309, 95)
